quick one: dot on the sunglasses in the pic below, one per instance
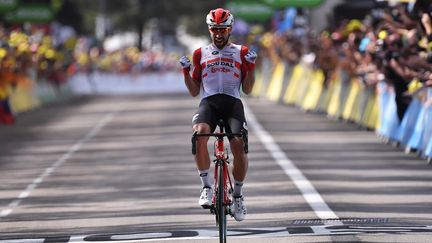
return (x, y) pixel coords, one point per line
(219, 30)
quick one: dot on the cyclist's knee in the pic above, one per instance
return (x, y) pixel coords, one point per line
(236, 144)
(201, 128)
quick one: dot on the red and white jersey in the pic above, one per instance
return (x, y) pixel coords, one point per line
(220, 71)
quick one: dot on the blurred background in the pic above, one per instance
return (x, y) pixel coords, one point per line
(55, 49)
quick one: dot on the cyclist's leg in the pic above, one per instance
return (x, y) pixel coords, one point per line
(203, 122)
(236, 122)
(240, 167)
(232, 112)
(240, 164)
(202, 156)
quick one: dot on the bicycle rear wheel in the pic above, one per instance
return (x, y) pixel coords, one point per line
(220, 204)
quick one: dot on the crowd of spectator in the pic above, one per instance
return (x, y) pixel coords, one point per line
(393, 43)
(52, 58)
(90, 57)
(32, 54)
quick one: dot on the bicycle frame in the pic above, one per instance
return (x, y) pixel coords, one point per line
(222, 161)
(221, 200)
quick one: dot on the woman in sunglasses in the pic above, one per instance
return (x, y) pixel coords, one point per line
(220, 70)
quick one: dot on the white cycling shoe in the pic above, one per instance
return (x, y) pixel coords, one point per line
(238, 208)
(205, 199)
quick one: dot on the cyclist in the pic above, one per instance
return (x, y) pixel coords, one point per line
(219, 70)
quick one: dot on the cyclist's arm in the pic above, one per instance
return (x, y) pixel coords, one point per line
(248, 74)
(193, 83)
(248, 82)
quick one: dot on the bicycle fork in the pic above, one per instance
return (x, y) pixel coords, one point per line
(226, 182)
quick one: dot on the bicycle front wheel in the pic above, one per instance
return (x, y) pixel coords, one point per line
(220, 204)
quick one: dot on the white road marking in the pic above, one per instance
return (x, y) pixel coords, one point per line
(141, 236)
(23, 241)
(310, 194)
(48, 171)
(246, 233)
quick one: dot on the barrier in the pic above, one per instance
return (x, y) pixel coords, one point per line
(428, 147)
(389, 122)
(117, 84)
(259, 83)
(335, 101)
(22, 97)
(313, 94)
(286, 81)
(416, 140)
(352, 100)
(367, 107)
(428, 150)
(28, 94)
(267, 69)
(295, 79)
(275, 87)
(372, 119)
(303, 85)
(408, 123)
(345, 86)
(427, 127)
(351, 110)
(325, 97)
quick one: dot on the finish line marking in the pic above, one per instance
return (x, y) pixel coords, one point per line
(309, 193)
(246, 233)
(48, 171)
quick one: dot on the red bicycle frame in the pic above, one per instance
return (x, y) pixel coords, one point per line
(222, 160)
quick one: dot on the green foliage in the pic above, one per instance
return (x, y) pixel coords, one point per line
(133, 14)
(56, 5)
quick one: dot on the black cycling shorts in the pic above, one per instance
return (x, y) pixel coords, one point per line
(221, 106)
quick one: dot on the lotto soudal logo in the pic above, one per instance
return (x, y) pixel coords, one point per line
(227, 64)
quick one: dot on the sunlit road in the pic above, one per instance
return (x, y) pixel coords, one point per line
(120, 169)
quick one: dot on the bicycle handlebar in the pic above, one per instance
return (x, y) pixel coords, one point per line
(243, 134)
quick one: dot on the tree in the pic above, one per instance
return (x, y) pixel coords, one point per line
(69, 14)
(133, 15)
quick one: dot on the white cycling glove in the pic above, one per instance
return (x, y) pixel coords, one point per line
(251, 57)
(185, 62)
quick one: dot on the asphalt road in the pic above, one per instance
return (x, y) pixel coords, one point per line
(119, 169)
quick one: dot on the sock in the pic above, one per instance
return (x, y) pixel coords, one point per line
(205, 178)
(237, 188)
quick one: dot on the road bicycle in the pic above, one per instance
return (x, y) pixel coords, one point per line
(223, 189)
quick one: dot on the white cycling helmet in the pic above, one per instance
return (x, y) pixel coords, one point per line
(219, 18)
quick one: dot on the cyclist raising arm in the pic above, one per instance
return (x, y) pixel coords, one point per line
(220, 69)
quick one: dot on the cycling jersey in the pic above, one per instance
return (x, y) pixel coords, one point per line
(220, 71)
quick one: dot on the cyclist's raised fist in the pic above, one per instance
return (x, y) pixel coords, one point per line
(251, 57)
(185, 62)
